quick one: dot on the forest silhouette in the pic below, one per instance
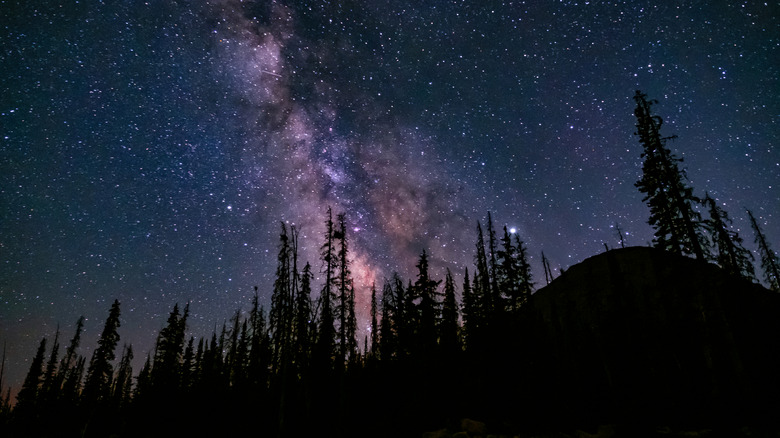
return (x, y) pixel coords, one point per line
(677, 335)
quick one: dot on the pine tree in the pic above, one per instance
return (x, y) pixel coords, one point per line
(427, 310)
(472, 314)
(27, 398)
(50, 389)
(280, 319)
(677, 225)
(346, 301)
(509, 273)
(68, 360)
(448, 328)
(769, 260)
(303, 319)
(326, 332)
(100, 372)
(494, 292)
(374, 322)
(482, 289)
(123, 383)
(525, 274)
(387, 329)
(730, 254)
(548, 275)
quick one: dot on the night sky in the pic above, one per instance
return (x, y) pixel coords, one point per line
(149, 150)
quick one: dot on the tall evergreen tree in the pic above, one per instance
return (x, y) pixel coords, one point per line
(472, 314)
(524, 272)
(123, 382)
(731, 255)
(346, 301)
(326, 332)
(427, 310)
(482, 289)
(509, 273)
(166, 368)
(387, 328)
(769, 260)
(68, 360)
(280, 319)
(100, 372)
(677, 225)
(27, 398)
(448, 328)
(374, 322)
(303, 319)
(494, 292)
(49, 387)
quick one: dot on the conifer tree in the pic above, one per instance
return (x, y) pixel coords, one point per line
(509, 273)
(677, 225)
(326, 332)
(27, 398)
(730, 254)
(280, 319)
(259, 350)
(68, 360)
(346, 301)
(494, 292)
(448, 328)
(49, 388)
(303, 319)
(100, 372)
(482, 289)
(123, 382)
(374, 321)
(471, 314)
(769, 260)
(166, 368)
(525, 274)
(548, 275)
(387, 329)
(427, 310)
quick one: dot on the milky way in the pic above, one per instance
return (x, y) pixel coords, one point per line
(150, 150)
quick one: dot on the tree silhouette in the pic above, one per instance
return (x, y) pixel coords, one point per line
(100, 372)
(677, 225)
(769, 260)
(730, 254)
(27, 398)
(448, 326)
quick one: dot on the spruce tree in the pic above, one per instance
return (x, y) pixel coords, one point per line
(27, 398)
(427, 310)
(769, 260)
(387, 328)
(472, 314)
(68, 360)
(49, 388)
(326, 332)
(345, 291)
(448, 327)
(100, 372)
(677, 225)
(374, 322)
(303, 319)
(730, 255)
(123, 382)
(524, 272)
(280, 318)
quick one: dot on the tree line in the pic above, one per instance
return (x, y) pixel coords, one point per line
(298, 367)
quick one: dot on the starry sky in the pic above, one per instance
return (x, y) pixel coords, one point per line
(149, 150)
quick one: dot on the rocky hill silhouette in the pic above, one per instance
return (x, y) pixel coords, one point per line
(641, 335)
